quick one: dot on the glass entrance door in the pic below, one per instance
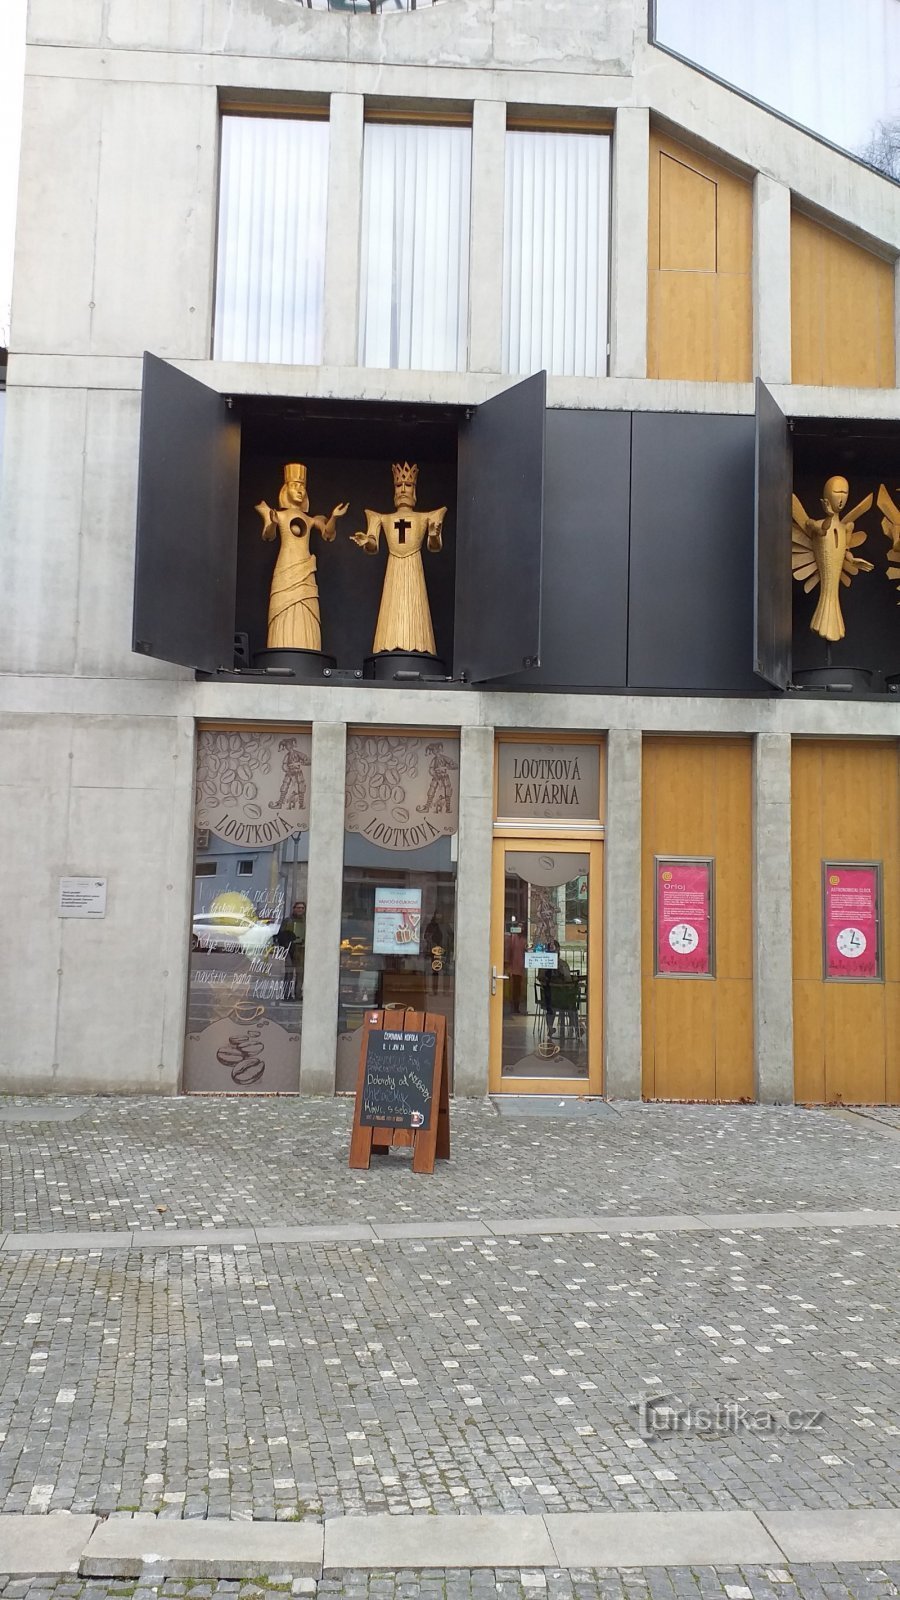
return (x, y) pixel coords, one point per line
(545, 972)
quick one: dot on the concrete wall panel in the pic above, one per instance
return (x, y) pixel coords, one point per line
(57, 215)
(155, 221)
(34, 776)
(59, 22)
(40, 517)
(106, 566)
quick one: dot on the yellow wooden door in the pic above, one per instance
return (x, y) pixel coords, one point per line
(845, 806)
(698, 1032)
(546, 1004)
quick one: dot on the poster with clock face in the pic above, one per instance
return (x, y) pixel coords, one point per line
(852, 917)
(684, 918)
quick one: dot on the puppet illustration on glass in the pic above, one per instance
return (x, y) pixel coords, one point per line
(294, 622)
(404, 618)
(822, 553)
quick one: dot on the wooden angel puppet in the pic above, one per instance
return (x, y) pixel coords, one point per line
(890, 526)
(294, 595)
(821, 553)
(404, 617)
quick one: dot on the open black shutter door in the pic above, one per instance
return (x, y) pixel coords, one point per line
(772, 574)
(500, 532)
(184, 584)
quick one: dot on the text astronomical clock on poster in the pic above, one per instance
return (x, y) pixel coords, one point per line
(402, 794)
(684, 918)
(852, 918)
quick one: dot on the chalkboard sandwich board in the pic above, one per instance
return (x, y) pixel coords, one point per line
(402, 1093)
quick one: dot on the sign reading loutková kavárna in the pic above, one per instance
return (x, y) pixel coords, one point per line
(556, 781)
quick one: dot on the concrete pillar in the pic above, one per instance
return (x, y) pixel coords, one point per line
(473, 911)
(771, 280)
(486, 239)
(772, 919)
(318, 1041)
(622, 918)
(342, 231)
(628, 243)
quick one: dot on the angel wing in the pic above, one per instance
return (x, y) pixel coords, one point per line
(890, 524)
(860, 510)
(803, 558)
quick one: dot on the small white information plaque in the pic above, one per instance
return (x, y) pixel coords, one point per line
(82, 897)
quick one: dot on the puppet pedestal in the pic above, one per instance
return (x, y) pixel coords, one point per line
(389, 663)
(303, 666)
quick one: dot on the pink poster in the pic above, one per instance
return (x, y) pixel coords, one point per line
(851, 922)
(683, 918)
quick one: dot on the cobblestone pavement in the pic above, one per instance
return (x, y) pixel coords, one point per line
(700, 1583)
(168, 1163)
(496, 1375)
(500, 1374)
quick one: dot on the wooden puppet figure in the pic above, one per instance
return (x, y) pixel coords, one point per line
(294, 595)
(404, 618)
(890, 527)
(821, 554)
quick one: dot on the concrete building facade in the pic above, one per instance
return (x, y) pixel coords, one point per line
(757, 787)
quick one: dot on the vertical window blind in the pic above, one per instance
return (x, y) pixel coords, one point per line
(414, 295)
(270, 275)
(556, 253)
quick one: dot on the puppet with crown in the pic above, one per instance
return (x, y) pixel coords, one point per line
(404, 619)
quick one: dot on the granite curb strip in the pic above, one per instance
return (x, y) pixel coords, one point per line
(393, 1232)
(46, 1546)
(660, 1539)
(410, 1542)
(126, 1545)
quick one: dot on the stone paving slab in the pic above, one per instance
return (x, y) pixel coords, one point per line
(24, 1242)
(447, 1542)
(318, 1233)
(174, 1238)
(37, 1546)
(837, 1535)
(124, 1547)
(654, 1539)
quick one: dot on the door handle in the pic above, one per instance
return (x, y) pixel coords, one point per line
(497, 977)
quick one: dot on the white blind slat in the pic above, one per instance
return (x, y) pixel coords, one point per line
(555, 253)
(270, 272)
(415, 247)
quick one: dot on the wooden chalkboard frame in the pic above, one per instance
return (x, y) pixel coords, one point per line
(427, 1143)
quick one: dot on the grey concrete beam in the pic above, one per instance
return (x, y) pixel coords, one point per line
(43, 1547)
(473, 911)
(486, 235)
(621, 918)
(771, 280)
(659, 1538)
(318, 1035)
(446, 1542)
(125, 1546)
(836, 1535)
(629, 243)
(772, 920)
(342, 231)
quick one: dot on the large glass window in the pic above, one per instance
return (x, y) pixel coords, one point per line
(415, 247)
(398, 905)
(248, 930)
(556, 253)
(827, 64)
(270, 274)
